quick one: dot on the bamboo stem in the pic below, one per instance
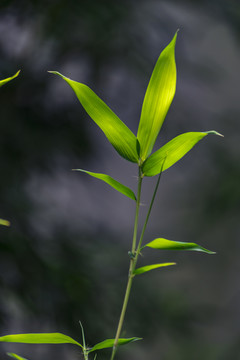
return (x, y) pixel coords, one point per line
(131, 268)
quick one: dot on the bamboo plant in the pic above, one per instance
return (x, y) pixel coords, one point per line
(139, 150)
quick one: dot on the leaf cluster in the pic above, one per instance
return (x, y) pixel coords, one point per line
(58, 338)
(138, 149)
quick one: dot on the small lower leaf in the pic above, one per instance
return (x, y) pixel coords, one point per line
(4, 222)
(15, 356)
(40, 338)
(110, 342)
(112, 182)
(164, 244)
(144, 269)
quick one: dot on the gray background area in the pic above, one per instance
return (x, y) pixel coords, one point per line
(64, 259)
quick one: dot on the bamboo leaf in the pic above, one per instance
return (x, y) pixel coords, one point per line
(4, 222)
(110, 342)
(172, 152)
(40, 338)
(4, 81)
(119, 135)
(112, 182)
(15, 356)
(158, 98)
(164, 244)
(144, 269)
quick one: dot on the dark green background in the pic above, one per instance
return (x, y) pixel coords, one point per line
(64, 259)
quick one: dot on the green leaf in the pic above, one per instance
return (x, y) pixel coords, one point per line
(144, 269)
(158, 98)
(119, 135)
(15, 356)
(4, 222)
(112, 182)
(173, 151)
(41, 338)
(4, 81)
(110, 342)
(164, 244)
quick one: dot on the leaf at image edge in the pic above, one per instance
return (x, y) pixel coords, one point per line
(112, 182)
(172, 152)
(15, 356)
(158, 98)
(147, 268)
(4, 81)
(110, 342)
(164, 244)
(40, 338)
(4, 222)
(119, 135)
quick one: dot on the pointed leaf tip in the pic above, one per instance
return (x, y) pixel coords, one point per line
(55, 73)
(214, 133)
(4, 81)
(175, 37)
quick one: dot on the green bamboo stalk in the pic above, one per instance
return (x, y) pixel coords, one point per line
(131, 268)
(148, 213)
(134, 254)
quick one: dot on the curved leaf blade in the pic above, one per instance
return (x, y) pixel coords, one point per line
(158, 98)
(15, 356)
(110, 342)
(164, 244)
(4, 222)
(147, 268)
(112, 182)
(40, 338)
(119, 135)
(4, 81)
(172, 152)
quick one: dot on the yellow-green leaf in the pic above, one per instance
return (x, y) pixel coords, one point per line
(110, 342)
(171, 152)
(4, 222)
(4, 81)
(164, 244)
(119, 135)
(158, 98)
(144, 269)
(112, 182)
(40, 338)
(15, 356)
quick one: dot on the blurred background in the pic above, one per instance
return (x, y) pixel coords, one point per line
(64, 258)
